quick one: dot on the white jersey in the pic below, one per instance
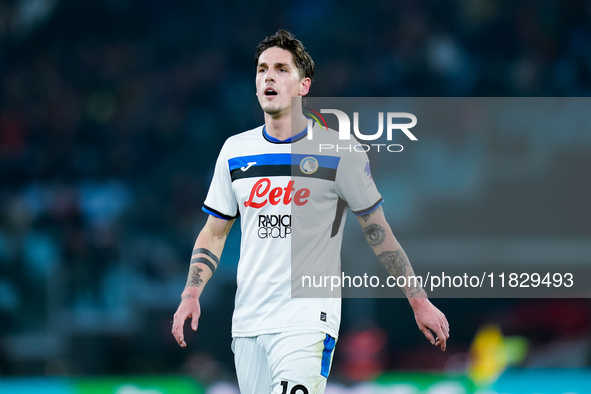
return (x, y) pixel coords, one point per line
(262, 180)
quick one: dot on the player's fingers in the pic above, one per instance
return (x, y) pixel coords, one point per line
(444, 323)
(177, 329)
(428, 334)
(444, 330)
(443, 344)
(178, 334)
(445, 326)
(194, 322)
(441, 338)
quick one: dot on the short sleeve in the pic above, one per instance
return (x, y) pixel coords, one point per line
(355, 184)
(221, 200)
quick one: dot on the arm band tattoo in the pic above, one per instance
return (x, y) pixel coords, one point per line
(208, 253)
(204, 261)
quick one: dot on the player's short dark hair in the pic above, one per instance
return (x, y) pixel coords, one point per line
(285, 40)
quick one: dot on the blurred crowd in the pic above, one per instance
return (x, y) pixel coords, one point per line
(112, 113)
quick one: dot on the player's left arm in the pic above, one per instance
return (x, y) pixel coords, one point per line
(381, 239)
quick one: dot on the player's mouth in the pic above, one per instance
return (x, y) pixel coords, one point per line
(270, 92)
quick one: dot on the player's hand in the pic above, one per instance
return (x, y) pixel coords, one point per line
(188, 308)
(431, 320)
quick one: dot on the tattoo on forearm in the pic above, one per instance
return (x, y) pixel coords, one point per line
(413, 291)
(206, 252)
(187, 296)
(397, 264)
(194, 279)
(205, 260)
(375, 235)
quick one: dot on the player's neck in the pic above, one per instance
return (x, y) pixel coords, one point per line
(281, 127)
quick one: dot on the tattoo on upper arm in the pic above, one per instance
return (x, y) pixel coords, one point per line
(367, 216)
(194, 279)
(375, 235)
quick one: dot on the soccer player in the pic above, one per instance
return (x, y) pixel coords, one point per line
(284, 344)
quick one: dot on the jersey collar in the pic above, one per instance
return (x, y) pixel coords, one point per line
(291, 139)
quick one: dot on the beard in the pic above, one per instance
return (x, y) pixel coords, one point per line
(273, 111)
(271, 108)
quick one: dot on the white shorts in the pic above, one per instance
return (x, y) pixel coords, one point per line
(294, 362)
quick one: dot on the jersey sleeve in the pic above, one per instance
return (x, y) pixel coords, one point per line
(355, 184)
(221, 200)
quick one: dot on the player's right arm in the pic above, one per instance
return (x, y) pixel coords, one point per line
(204, 261)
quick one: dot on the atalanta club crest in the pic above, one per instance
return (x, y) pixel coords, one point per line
(309, 165)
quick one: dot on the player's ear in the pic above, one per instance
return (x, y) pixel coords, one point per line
(305, 86)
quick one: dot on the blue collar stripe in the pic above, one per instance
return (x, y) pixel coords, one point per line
(293, 138)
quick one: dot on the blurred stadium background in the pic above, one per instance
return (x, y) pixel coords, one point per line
(112, 113)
